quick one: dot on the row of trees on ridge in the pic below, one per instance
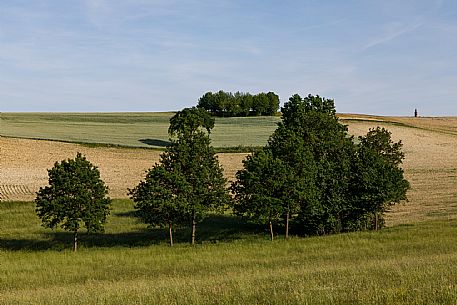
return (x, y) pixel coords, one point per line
(311, 175)
(239, 104)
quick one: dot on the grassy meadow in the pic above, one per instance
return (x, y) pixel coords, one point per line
(234, 263)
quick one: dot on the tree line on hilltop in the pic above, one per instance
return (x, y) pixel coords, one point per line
(239, 104)
(311, 175)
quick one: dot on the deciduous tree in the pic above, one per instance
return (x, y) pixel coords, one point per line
(258, 187)
(75, 198)
(377, 180)
(188, 182)
(157, 201)
(189, 120)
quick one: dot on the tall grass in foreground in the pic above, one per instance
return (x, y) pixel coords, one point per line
(233, 264)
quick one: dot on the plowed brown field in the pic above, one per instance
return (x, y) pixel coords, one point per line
(430, 145)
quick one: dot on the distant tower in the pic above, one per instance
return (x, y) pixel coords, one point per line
(415, 113)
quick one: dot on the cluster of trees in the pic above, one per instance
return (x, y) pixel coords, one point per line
(181, 189)
(239, 104)
(311, 175)
(311, 170)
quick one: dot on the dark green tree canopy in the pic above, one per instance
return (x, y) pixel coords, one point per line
(156, 198)
(310, 127)
(239, 104)
(190, 120)
(258, 186)
(268, 189)
(160, 198)
(379, 140)
(377, 179)
(336, 184)
(259, 189)
(313, 118)
(194, 157)
(75, 197)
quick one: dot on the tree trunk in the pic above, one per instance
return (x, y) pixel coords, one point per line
(193, 229)
(170, 226)
(75, 241)
(287, 225)
(376, 221)
(271, 231)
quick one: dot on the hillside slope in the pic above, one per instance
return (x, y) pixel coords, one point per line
(430, 145)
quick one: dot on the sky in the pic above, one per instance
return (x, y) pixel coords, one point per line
(384, 57)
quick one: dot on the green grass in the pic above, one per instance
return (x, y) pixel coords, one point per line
(130, 129)
(234, 263)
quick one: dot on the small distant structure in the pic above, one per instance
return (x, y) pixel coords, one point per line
(415, 113)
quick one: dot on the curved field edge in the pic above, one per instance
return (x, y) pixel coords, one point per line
(399, 265)
(443, 125)
(149, 129)
(228, 149)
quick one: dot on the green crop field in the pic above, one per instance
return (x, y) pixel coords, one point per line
(129, 129)
(149, 129)
(234, 263)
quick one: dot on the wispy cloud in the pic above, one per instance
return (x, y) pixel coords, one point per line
(161, 55)
(392, 31)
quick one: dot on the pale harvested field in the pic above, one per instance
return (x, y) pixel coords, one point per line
(24, 165)
(430, 145)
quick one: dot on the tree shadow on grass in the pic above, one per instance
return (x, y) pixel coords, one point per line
(130, 214)
(12, 244)
(155, 142)
(227, 228)
(214, 229)
(64, 240)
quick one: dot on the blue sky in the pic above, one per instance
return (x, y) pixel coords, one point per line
(382, 57)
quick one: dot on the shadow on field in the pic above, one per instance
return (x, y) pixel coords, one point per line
(214, 229)
(155, 142)
(64, 240)
(221, 228)
(130, 214)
